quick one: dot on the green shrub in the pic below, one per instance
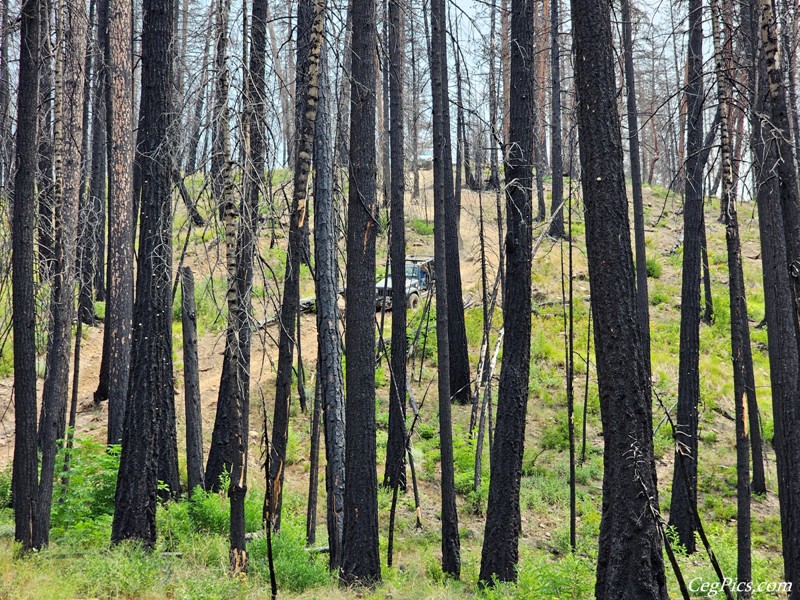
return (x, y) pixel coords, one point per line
(5, 487)
(421, 226)
(296, 568)
(92, 483)
(653, 267)
(211, 512)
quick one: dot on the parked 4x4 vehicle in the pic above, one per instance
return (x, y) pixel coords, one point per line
(419, 278)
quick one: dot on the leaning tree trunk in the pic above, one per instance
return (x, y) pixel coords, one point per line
(56, 384)
(360, 559)
(291, 289)
(151, 355)
(501, 537)
(395, 475)
(684, 477)
(26, 461)
(629, 532)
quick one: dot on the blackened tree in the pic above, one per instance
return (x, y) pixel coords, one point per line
(329, 339)
(396, 444)
(26, 461)
(151, 355)
(360, 559)
(629, 534)
(684, 479)
(501, 536)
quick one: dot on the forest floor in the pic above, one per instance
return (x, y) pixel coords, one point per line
(191, 558)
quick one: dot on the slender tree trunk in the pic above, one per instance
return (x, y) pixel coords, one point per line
(557, 166)
(329, 339)
(26, 460)
(642, 302)
(501, 536)
(45, 225)
(151, 354)
(191, 385)
(684, 493)
(56, 383)
(629, 531)
(291, 290)
(93, 207)
(220, 456)
(395, 475)
(740, 332)
(446, 259)
(360, 558)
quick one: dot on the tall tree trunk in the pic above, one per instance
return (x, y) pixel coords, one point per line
(45, 184)
(447, 297)
(629, 532)
(93, 206)
(395, 475)
(740, 331)
(56, 384)
(684, 493)
(787, 428)
(642, 302)
(26, 460)
(459, 370)
(151, 354)
(297, 228)
(360, 559)
(117, 340)
(6, 139)
(241, 319)
(329, 339)
(220, 456)
(501, 536)
(557, 166)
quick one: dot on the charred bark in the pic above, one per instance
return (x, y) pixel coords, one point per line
(629, 532)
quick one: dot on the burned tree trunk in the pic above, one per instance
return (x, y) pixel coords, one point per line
(501, 537)
(629, 532)
(784, 365)
(191, 383)
(291, 289)
(56, 384)
(395, 475)
(329, 339)
(121, 218)
(360, 559)
(642, 302)
(684, 489)
(26, 460)
(151, 355)
(447, 297)
(740, 332)
(556, 162)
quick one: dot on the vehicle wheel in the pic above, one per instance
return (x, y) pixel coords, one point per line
(413, 302)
